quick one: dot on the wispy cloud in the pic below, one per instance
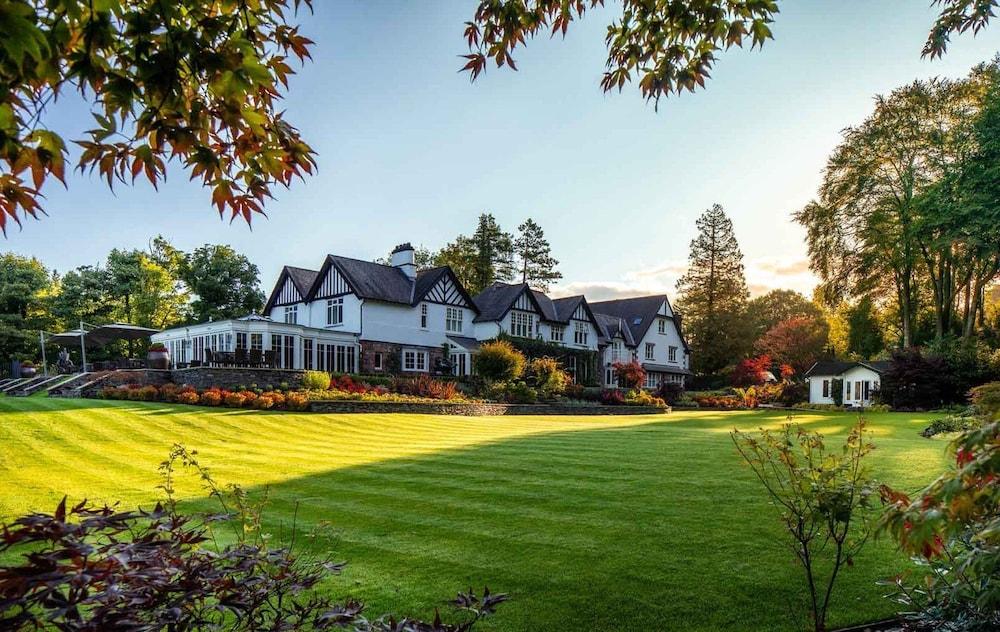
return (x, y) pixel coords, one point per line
(763, 274)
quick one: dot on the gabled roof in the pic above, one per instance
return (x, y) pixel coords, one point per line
(495, 301)
(638, 314)
(612, 326)
(839, 367)
(302, 279)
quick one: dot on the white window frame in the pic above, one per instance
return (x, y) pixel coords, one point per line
(414, 361)
(335, 312)
(581, 333)
(423, 315)
(661, 326)
(292, 314)
(650, 350)
(672, 354)
(522, 324)
(557, 333)
(453, 319)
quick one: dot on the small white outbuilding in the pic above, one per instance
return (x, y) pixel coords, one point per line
(859, 381)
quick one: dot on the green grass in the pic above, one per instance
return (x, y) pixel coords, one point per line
(611, 523)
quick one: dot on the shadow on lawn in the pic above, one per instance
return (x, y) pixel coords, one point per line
(601, 529)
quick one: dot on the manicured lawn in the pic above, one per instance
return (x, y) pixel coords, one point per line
(612, 523)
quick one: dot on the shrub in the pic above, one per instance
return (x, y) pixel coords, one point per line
(822, 496)
(951, 530)
(837, 391)
(986, 399)
(249, 399)
(211, 397)
(234, 400)
(187, 397)
(748, 395)
(424, 386)
(751, 372)
(630, 374)
(109, 392)
(168, 392)
(346, 383)
(685, 401)
(639, 397)
(793, 393)
(670, 392)
(612, 397)
(727, 402)
(547, 375)
(916, 381)
(951, 423)
(158, 347)
(296, 401)
(263, 402)
(520, 393)
(277, 398)
(498, 361)
(316, 380)
(148, 393)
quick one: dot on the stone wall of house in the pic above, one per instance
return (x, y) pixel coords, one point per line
(478, 409)
(392, 357)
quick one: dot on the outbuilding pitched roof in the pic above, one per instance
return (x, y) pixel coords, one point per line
(838, 367)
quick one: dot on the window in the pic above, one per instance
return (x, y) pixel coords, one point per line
(414, 360)
(377, 361)
(661, 326)
(522, 324)
(616, 352)
(288, 361)
(241, 340)
(257, 342)
(868, 390)
(580, 333)
(453, 319)
(423, 316)
(652, 379)
(335, 311)
(307, 353)
(857, 390)
(672, 354)
(650, 350)
(826, 388)
(292, 314)
(558, 333)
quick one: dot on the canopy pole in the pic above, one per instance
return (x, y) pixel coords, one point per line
(45, 365)
(83, 349)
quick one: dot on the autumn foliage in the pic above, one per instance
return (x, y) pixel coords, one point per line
(196, 81)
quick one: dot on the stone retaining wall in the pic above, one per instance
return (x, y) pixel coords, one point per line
(477, 409)
(229, 378)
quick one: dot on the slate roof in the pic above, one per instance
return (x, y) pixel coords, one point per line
(612, 326)
(566, 306)
(302, 278)
(637, 313)
(838, 367)
(496, 300)
(665, 368)
(389, 284)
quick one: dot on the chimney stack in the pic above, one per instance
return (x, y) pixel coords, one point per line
(404, 259)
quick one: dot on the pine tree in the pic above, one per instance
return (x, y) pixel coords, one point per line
(494, 254)
(712, 295)
(537, 266)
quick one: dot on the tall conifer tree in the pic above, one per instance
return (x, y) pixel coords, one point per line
(535, 260)
(712, 295)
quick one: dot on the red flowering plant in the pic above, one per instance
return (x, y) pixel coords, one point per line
(630, 374)
(752, 371)
(822, 497)
(952, 530)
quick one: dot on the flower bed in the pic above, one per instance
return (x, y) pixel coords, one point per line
(256, 399)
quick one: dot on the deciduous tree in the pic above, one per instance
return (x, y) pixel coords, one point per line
(225, 283)
(198, 81)
(24, 285)
(798, 342)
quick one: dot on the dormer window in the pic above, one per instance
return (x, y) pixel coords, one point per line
(580, 333)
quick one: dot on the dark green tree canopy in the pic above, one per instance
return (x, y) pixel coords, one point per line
(534, 254)
(712, 294)
(225, 283)
(198, 81)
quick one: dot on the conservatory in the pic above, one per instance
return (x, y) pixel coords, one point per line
(258, 341)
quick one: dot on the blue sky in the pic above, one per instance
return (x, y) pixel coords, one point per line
(409, 150)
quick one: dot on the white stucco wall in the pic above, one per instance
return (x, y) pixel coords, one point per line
(389, 322)
(851, 376)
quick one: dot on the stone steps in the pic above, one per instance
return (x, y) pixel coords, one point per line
(48, 383)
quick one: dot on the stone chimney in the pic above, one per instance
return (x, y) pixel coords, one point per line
(403, 258)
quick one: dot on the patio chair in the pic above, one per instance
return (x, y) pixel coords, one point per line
(269, 359)
(256, 357)
(209, 357)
